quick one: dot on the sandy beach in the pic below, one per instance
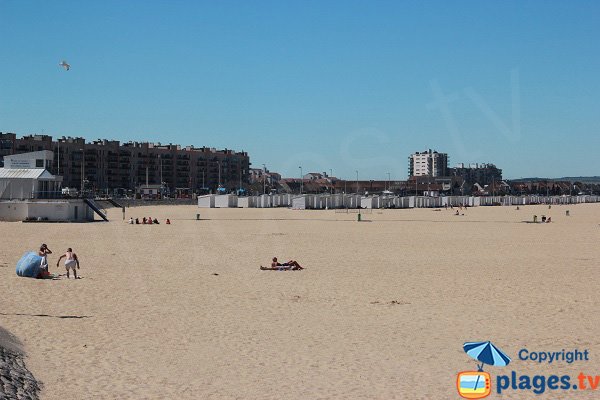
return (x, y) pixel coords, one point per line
(381, 311)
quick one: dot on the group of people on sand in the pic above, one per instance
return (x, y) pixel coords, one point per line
(458, 207)
(290, 265)
(71, 261)
(146, 221)
(544, 219)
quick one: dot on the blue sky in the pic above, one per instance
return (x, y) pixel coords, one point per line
(341, 85)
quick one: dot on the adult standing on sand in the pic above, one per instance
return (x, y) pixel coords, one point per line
(43, 252)
(71, 262)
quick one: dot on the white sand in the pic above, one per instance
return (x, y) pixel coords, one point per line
(153, 322)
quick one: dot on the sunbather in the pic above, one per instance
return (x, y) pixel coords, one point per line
(290, 265)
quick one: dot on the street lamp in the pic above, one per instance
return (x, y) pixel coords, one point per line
(219, 164)
(416, 186)
(388, 174)
(356, 181)
(331, 180)
(82, 170)
(264, 179)
(301, 180)
(161, 176)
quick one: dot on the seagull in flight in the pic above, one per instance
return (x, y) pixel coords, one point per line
(65, 65)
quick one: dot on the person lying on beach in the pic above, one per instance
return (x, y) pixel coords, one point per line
(290, 265)
(71, 262)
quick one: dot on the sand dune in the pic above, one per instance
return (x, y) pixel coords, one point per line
(381, 311)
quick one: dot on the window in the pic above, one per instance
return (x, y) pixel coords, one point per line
(39, 163)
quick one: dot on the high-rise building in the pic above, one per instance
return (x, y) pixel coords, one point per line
(109, 165)
(428, 163)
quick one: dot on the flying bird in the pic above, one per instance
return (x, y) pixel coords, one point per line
(65, 65)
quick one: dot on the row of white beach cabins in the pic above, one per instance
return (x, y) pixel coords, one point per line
(340, 201)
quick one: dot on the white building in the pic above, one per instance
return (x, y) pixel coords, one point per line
(35, 159)
(428, 163)
(20, 183)
(24, 176)
(26, 188)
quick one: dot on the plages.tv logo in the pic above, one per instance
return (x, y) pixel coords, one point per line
(478, 384)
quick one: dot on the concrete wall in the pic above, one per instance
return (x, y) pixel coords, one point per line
(13, 211)
(52, 210)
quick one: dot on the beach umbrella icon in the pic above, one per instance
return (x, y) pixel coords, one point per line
(486, 353)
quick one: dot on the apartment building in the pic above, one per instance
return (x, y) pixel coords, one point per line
(428, 163)
(483, 174)
(111, 165)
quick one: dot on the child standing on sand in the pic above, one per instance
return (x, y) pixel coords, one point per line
(71, 262)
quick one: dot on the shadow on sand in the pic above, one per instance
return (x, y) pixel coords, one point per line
(48, 315)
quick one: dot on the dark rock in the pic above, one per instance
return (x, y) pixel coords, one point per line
(16, 382)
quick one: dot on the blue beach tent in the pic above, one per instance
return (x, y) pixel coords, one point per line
(29, 265)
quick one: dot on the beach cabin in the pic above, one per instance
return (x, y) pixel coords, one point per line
(368, 202)
(352, 201)
(226, 201)
(300, 202)
(264, 201)
(281, 200)
(243, 202)
(207, 201)
(386, 201)
(337, 201)
(326, 202)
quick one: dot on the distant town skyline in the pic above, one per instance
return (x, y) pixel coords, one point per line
(341, 86)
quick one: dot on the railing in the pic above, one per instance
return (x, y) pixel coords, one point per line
(47, 195)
